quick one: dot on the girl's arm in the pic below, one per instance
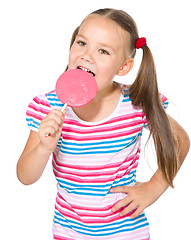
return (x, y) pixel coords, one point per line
(143, 195)
(39, 147)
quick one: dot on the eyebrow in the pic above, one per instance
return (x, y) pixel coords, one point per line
(105, 45)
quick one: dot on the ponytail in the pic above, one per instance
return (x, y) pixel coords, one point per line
(144, 92)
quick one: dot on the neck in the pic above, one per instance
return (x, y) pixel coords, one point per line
(107, 93)
(102, 106)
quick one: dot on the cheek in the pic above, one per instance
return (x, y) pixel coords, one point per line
(111, 66)
(72, 55)
(71, 59)
(109, 70)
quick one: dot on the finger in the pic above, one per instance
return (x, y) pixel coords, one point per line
(120, 189)
(130, 209)
(57, 116)
(122, 203)
(53, 123)
(59, 112)
(137, 212)
(47, 131)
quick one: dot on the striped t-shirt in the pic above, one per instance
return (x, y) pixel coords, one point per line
(90, 158)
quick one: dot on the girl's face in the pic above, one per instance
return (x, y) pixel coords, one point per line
(101, 48)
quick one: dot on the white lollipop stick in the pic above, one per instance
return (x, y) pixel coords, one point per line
(63, 108)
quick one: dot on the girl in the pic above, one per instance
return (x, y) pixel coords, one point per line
(96, 148)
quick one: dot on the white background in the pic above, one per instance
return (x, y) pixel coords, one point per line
(34, 46)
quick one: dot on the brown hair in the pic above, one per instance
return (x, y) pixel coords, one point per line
(144, 92)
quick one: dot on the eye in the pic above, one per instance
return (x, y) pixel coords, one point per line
(81, 43)
(104, 52)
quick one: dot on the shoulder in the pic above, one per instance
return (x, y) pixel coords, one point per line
(127, 103)
(46, 101)
(39, 107)
(39, 104)
(53, 100)
(133, 113)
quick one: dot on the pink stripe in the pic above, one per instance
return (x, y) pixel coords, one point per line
(64, 204)
(89, 221)
(83, 167)
(100, 137)
(113, 120)
(38, 109)
(163, 99)
(90, 174)
(96, 210)
(105, 129)
(63, 173)
(101, 209)
(53, 91)
(126, 117)
(41, 101)
(100, 180)
(134, 235)
(61, 238)
(34, 115)
(120, 167)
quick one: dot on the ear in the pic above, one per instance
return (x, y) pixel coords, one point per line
(126, 68)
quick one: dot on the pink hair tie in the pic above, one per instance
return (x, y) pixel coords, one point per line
(140, 42)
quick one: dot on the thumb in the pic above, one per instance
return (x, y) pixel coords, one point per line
(120, 189)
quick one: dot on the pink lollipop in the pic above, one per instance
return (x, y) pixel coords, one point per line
(76, 88)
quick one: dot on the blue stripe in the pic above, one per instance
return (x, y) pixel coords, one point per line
(121, 146)
(59, 222)
(53, 99)
(165, 105)
(114, 232)
(96, 190)
(93, 192)
(104, 229)
(51, 94)
(105, 225)
(126, 100)
(100, 143)
(86, 151)
(32, 121)
(32, 126)
(125, 181)
(74, 185)
(56, 104)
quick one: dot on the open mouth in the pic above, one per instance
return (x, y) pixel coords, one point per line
(87, 70)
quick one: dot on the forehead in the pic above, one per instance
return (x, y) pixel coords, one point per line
(104, 29)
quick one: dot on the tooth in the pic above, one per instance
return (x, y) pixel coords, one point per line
(87, 70)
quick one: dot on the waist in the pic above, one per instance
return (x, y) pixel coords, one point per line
(88, 205)
(93, 216)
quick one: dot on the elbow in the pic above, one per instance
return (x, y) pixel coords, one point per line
(23, 179)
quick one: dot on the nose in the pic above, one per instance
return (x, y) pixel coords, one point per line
(87, 56)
